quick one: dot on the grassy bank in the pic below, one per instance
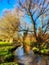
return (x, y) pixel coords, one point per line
(42, 51)
(5, 43)
(6, 56)
(9, 63)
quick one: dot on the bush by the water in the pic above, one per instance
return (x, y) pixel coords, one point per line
(42, 48)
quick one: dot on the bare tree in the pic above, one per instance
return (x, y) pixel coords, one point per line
(34, 9)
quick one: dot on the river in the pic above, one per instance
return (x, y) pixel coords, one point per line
(31, 58)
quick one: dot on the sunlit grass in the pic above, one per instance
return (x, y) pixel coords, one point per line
(9, 63)
(42, 51)
(5, 43)
(4, 48)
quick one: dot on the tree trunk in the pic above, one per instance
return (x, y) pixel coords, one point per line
(34, 24)
(25, 46)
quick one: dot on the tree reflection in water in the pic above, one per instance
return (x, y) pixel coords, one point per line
(30, 58)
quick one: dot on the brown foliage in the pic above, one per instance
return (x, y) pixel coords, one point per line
(9, 25)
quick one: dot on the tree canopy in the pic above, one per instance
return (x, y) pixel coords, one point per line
(9, 25)
(38, 11)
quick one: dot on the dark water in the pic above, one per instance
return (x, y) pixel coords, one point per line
(31, 58)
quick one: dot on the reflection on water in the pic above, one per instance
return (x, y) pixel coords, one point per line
(19, 52)
(38, 58)
(31, 58)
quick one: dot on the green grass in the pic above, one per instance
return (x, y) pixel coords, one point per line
(5, 43)
(42, 51)
(5, 47)
(6, 54)
(9, 63)
(5, 50)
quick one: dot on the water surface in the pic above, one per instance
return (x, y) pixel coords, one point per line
(31, 58)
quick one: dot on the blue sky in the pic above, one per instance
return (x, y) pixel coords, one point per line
(4, 4)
